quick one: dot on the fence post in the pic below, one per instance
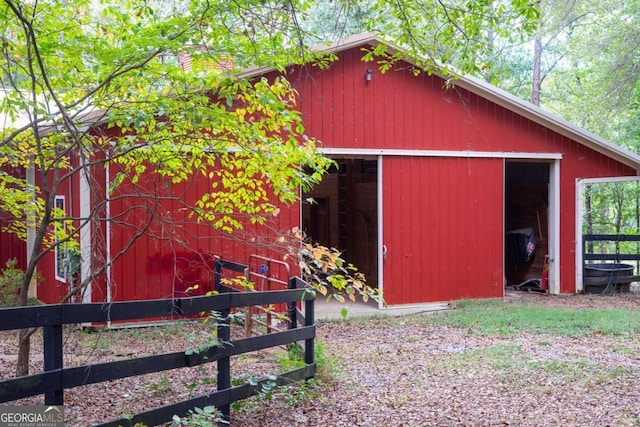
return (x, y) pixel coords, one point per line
(224, 363)
(217, 275)
(292, 307)
(52, 336)
(308, 321)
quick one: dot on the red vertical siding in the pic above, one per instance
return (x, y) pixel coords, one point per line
(11, 247)
(50, 289)
(398, 110)
(443, 217)
(443, 227)
(176, 253)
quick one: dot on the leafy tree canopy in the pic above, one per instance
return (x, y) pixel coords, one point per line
(155, 87)
(165, 75)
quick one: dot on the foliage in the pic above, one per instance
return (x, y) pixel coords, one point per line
(596, 92)
(92, 87)
(10, 281)
(206, 416)
(88, 87)
(335, 20)
(454, 34)
(155, 89)
(326, 364)
(614, 208)
(327, 272)
(294, 393)
(208, 338)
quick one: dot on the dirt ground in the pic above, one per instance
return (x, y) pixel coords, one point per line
(391, 372)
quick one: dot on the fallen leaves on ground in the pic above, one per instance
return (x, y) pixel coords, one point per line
(388, 372)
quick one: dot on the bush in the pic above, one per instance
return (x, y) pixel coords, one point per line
(10, 281)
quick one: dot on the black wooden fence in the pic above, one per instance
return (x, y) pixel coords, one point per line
(616, 255)
(56, 378)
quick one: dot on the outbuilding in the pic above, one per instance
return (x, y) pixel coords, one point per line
(442, 190)
(434, 181)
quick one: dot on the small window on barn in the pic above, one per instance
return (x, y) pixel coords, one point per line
(60, 253)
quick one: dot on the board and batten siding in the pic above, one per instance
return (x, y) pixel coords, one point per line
(400, 111)
(443, 208)
(11, 246)
(443, 222)
(175, 253)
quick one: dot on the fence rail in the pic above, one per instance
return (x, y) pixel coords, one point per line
(56, 378)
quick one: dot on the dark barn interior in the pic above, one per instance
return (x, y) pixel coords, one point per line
(526, 209)
(343, 213)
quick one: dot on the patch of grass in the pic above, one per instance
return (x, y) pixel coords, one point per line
(494, 317)
(514, 366)
(561, 369)
(326, 364)
(579, 371)
(502, 357)
(625, 350)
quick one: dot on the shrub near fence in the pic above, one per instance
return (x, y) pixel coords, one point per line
(56, 378)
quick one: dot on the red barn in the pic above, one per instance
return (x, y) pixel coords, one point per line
(430, 184)
(431, 181)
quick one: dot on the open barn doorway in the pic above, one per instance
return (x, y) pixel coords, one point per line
(342, 212)
(527, 186)
(607, 223)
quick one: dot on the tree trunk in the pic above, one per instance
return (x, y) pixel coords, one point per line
(24, 348)
(537, 77)
(635, 192)
(588, 215)
(24, 336)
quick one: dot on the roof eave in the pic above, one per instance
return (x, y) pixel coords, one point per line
(340, 45)
(549, 120)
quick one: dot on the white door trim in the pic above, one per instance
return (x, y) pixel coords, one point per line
(85, 234)
(382, 249)
(554, 227)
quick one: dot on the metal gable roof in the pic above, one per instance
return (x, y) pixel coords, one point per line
(497, 96)
(549, 120)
